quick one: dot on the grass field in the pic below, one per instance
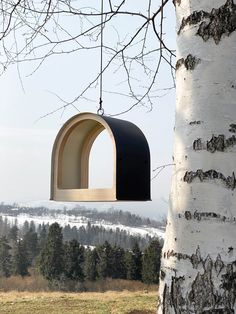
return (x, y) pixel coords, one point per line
(82, 303)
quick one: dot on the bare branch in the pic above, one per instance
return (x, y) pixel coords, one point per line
(159, 169)
(33, 31)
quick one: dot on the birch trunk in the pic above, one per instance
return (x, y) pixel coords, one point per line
(198, 272)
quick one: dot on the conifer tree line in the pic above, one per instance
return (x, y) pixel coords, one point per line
(46, 251)
(86, 234)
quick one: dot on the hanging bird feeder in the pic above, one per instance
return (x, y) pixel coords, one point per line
(71, 150)
(70, 160)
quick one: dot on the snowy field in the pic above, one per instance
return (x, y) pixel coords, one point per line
(79, 221)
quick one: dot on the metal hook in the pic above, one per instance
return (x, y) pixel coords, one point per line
(100, 111)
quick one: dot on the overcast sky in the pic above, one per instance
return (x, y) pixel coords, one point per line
(26, 141)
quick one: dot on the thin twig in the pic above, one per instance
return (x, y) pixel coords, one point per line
(159, 169)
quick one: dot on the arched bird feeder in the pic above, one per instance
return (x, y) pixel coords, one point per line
(70, 160)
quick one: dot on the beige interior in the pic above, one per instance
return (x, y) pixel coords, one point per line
(70, 160)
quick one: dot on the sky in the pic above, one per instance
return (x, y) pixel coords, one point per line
(26, 139)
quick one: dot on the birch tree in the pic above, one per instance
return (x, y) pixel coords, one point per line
(198, 272)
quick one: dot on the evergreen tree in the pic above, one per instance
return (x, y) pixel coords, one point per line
(137, 257)
(151, 263)
(1, 226)
(39, 229)
(130, 265)
(82, 235)
(31, 243)
(32, 226)
(25, 228)
(74, 233)
(89, 233)
(105, 260)
(42, 237)
(74, 259)
(118, 263)
(13, 234)
(20, 259)
(5, 228)
(51, 261)
(90, 264)
(5, 258)
(67, 233)
(134, 263)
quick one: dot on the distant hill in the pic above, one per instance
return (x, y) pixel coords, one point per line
(111, 224)
(112, 216)
(155, 209)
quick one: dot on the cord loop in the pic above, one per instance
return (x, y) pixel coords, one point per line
(100, 109)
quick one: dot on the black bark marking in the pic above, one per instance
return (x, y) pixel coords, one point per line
(229, 284)
(195, 122)
(229, 182)
(206, 215)
(190, 62)
(201, 215)
(213, 24)
(202, 292)
(188, 215)
(218, 311)
(162, 275)
(198, 145)
(196, 258)
(205, 295)
(216, 143)
(193, 19)
(166, 300)
(176, 294)
(231, 141)
(179, 63)
(175, 2)
(219, 265)
(232, 128)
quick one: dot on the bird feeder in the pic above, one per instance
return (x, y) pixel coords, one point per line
(70, 160)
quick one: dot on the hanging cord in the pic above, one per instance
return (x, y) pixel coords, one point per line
(100, 109)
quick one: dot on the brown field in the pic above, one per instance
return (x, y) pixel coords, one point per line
(37, 283)
(110, 302)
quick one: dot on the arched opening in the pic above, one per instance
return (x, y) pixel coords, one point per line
(74, 155)
(101, 162)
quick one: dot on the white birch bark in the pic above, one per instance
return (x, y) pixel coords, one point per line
(198, 272)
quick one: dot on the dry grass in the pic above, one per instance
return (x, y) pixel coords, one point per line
(125, 302)
(29, 283)
(31, 295)
(118, 285)
(36, 283)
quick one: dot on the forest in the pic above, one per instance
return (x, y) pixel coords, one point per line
(57, 255)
